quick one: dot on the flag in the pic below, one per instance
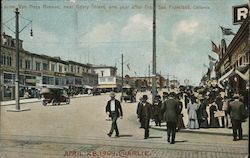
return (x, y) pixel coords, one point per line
(227, 31)
(211, 58)
(215, 48)
(128, 67)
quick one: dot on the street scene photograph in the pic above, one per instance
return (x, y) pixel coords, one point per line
(124, 79)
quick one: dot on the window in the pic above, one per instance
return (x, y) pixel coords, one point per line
(27, 64)
(60, 68)
(240, 62)
(6, 60)
(101, 73)
(21, 63)
(78, 69)
(52, 67)
(45, 66)
(65, 69)
(38, 66)
(71, 68)
(48, 80)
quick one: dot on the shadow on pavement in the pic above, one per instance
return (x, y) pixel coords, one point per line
(155, 137)
(181, 141)
(124, 135)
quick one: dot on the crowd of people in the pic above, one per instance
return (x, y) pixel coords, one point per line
(212, 110)
(203, 111)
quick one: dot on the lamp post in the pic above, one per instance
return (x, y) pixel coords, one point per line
(154, 52)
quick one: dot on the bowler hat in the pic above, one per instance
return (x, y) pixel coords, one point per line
(145, 97)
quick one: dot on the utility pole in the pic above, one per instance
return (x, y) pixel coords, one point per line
(17, 97)
(154, 88)
(122, 79)
(149, 75)
(17, 63)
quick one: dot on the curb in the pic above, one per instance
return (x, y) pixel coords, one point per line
(200, 132)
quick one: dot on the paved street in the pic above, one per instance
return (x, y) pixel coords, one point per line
(79, 130)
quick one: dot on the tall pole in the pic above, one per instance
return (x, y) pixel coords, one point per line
(149, 75)
(17, 62)
(122, 79)
(154, 52)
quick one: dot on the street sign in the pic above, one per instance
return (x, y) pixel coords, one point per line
(240, 13)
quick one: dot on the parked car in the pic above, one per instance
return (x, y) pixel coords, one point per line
(54, 95)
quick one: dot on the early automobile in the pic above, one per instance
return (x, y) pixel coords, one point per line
(54, 95)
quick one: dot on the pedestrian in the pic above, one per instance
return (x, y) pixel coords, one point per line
(171, 109)
(236, 111)
(145, 115)
(219, 103)
(156, 110)
(214, 121)
(138, 112)
(204, 115)
(114, 110)
(180, 123)
(192, 108)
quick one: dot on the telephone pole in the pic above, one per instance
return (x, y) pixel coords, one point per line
(17, 84)
(122, 79)
(154, 88)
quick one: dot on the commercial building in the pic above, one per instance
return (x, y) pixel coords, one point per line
(232, 68)
(37, 71)
(107, 78)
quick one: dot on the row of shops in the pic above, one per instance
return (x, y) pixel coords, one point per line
(37, 71)
(232, 69)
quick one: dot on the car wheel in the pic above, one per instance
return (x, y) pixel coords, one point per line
(44, 103)
(67, 101)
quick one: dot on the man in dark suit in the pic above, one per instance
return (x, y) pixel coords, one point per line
(171, 109)
(236, 110)
(114, 110)
(139, 106)
(145, 115)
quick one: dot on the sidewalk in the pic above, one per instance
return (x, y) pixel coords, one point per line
(33, 100)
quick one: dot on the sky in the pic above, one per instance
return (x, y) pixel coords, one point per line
(99, 31)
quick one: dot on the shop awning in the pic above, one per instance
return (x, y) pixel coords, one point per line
(87, 87)
(224, 77)
(244, 76)
(107, 86)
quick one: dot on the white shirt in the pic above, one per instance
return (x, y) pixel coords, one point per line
(112, 105)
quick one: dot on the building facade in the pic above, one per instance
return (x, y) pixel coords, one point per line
(232, 68)
(107, 78)
(37, 71)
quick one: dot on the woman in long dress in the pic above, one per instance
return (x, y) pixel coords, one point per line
(214, 121)
(192, 114)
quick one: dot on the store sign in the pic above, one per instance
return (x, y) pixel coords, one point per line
(240, 13)
(32, 81)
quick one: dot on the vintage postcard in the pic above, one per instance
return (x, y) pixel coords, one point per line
(124, 78)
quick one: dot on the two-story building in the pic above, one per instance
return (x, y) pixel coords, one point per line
(37, 71)
(107, 78)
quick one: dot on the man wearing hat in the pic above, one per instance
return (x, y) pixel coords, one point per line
(236, 111)
(145, 115)
(139, 106)
(114, 110)
(171, 109)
